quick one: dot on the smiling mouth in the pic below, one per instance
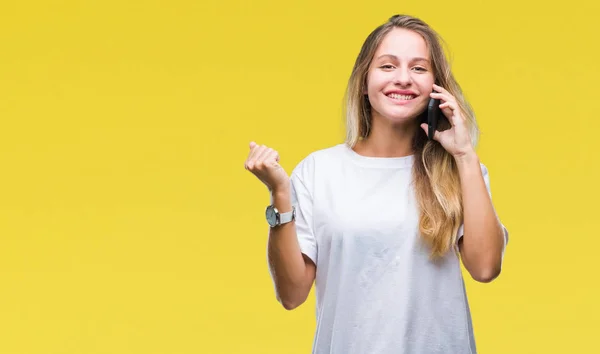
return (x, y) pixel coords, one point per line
(399, 97)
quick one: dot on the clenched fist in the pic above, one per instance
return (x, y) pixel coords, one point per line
(263, 162)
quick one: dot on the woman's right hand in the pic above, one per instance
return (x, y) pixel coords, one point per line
(263, 162)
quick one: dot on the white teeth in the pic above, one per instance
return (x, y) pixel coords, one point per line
(401, 97)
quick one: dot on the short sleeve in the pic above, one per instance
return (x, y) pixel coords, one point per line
(486, 178)
(302, 200)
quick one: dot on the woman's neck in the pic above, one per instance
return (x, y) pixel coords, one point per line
(387, 141)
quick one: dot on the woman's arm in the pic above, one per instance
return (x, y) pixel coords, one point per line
(482, 245)
(291, 271)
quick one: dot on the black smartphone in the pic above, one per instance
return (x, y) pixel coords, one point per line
(433, 115)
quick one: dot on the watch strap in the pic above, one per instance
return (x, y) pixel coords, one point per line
(287, 217)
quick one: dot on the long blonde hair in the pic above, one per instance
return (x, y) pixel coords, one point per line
(435, 174)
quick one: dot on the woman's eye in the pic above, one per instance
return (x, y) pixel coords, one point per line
(387, 66)
(418, 68)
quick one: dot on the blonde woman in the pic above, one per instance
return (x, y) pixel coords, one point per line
(381, 222)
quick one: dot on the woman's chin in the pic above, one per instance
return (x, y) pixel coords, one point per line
(396, 118)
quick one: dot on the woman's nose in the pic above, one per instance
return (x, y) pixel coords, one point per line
(402, 78)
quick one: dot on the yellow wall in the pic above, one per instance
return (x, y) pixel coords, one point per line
(129, 225)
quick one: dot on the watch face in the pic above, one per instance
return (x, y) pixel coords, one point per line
(272, 216)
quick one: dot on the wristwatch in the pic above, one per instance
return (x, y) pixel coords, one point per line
(275, 218)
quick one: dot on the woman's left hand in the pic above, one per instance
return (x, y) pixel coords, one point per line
(455, 140)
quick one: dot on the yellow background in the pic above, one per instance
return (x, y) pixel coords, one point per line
(129, 225)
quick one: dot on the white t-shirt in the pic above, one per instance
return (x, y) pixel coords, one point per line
(377, 291)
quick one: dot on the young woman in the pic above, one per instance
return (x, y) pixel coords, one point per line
(381, 222)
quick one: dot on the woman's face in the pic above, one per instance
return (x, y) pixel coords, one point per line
(400, 77)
